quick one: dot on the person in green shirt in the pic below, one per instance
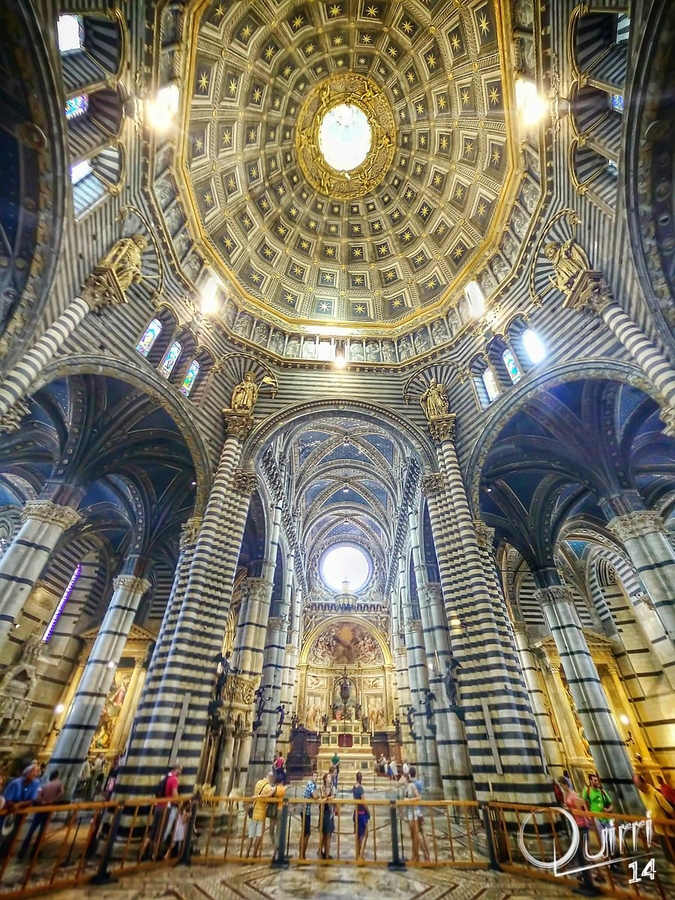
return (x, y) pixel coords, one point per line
(336, 769)
(598, 801)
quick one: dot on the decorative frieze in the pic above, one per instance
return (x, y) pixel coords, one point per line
(239, 690)
(244, 482)
(50, 513)
(637, 525)
(433, 484)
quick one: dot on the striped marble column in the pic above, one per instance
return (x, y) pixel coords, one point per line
(402, 676)
(550, 745)
(606, 744)
(83, 718)
(644, 536)
(502, 739)
(171, 724)
(43, 523)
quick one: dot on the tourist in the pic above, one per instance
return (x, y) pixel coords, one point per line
(382, 764)
(274, 809)
(256, 813)
(394, 769)
(405, 768)
(336, 769)
(410, 811)
(20, 793)
(412, 772)
(598, 801)
(327, 816)
(578, 808)
(310, 793)
(47, 795)
(568, 779)
(163, 815)
(658, 808)
(361, 817)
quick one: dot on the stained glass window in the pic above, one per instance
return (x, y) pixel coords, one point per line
(617, 102)
(152, 332)
(533, 346)
(171, 358)
(190, 378)
(511, 366)
(70, 32)
(490, 385)
(77, 106)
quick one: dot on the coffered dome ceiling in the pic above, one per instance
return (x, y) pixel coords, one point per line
(387, 246)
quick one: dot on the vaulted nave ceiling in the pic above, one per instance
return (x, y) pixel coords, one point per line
(384, 251)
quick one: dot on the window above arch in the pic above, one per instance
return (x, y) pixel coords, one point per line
(150, 335)
(70, 32)
(533, 346)
(76, 106)
(490, 384)
(190, 378)
(511, 364)
(171, 357)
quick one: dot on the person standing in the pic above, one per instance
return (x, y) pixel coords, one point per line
(163, 815)
(327, 816)
(279, 766)
(394, 769)
(410, 810)
(274, 809)
(256, 819)
(658, 808)
(598, 801)
(310, 793)
(578, 808)
(20, 793)
(336, 769)
(47, 795)
(412, 773)
(361, 817)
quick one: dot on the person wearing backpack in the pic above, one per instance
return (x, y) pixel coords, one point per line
(163, 814)
(598, 801)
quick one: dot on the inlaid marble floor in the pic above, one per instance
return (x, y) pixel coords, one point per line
(334, 883)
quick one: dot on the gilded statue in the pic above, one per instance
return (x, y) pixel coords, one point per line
(124, 261)
(569, 261)
(434, 401)
(245, 394)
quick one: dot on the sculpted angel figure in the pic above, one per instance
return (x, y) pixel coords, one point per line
(434, 401)
(569, 261)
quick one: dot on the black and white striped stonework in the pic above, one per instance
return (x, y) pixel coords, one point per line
(607, 746)
(644, 537)
(172, 722)
(84, 715)
(24, 559)
(17, 382)
(655, 366)
(505, 751)
(400, 656)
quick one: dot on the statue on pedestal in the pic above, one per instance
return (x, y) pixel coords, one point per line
(434, 401)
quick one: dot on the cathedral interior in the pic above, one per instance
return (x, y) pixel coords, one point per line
(337, 392)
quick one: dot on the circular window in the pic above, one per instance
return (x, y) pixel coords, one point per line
(345, 562)
(345, 137)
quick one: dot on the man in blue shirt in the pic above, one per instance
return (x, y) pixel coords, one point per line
(20, 793)
(310, 793)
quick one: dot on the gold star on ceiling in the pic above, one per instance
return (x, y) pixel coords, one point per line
(459, 251)
(383, 250)
(335, 10)
(431, 61)
(481, 209)
(407, 27)
(372, 12)
(298, 22)
(232, 87)
(208, 198)
(494, 96)
(227, 242)
(483, 24)
(204, 82)
(324, 307)
(496, 156)
(397, 302)
(465, 98)
(358, 279)
(365, 39)
(357, 252)
(411, 77)
(360, 308)
(438, 181)
(231, 183)
(227, 138)
(269, 53)
(337, 40)
(407, 236)
(199, 145)
(455, 42)
(330, 251)
(219, 11)
(443, 143)
(468, 148)
(257, 95)
(289, 298)
(246, 32)
(441, 102)
(431, 284)
(255, 278)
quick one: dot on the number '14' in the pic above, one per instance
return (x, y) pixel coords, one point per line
(649, 871)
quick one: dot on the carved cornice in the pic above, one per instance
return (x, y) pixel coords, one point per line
(50, 513)
(636, 525)
(12, 419)
(554, 594)
(245, 482)
(237, 425)
(433, 484)
(131, 583)
(442, 429)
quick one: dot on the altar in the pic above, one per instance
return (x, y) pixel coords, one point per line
(352, 745)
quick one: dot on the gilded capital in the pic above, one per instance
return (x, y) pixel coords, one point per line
(190, 532)
(484, 534)
(667, 416)
(238, 425)
(131, 583)
(433, 484)
(50, 513)
(442, 429)
(245, 482)
(115, 273)
(636, 525)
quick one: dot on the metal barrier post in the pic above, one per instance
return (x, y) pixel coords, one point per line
(280, 860)
(102, 875)
(397, 862)
(490, 837)
(186, 855)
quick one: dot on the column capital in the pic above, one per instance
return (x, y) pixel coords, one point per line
(432, 592)
(50, 513)
(433, 484)
(237, 425)
(115, 273)
(278, 622)
(131, 583)
(590, 292)
(636, 525)
(245, 482)
(12, 419)
(553, 594)
(189, 532)
(484, 534)
(254, 588)
(443, 428)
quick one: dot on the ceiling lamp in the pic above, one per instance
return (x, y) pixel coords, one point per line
(162, 111)
(530, 105)
(476, 297)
